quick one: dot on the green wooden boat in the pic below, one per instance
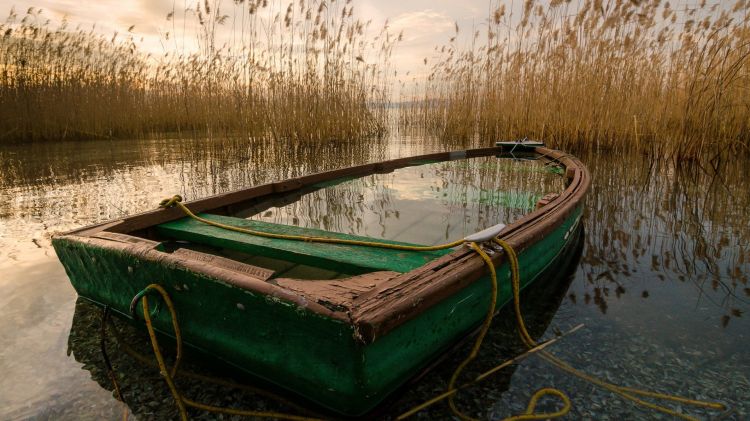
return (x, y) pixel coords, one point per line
(541, 301)
(345, 343)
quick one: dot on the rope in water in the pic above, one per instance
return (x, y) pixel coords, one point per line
(168, 374)
(143, 359)
(529, 414)
(108, 364)
(625, 392)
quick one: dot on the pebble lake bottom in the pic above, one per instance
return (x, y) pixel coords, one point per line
(661, 285)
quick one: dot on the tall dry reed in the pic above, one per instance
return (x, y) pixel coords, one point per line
(302, 73)
(623, 75)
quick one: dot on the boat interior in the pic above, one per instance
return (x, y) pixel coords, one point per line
(451, 198)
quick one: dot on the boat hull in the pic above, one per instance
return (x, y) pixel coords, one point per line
(318, 357)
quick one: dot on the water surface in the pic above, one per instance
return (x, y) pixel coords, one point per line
(662, 284)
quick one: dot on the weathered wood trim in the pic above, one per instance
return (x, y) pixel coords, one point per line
(259, 273)
(329, 293)
(544, 201)
(250, 282)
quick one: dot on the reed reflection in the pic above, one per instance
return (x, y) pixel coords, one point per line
(656, 221)
(57, 186)
(425, 204)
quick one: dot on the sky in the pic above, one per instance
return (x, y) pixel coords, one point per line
(425, 23)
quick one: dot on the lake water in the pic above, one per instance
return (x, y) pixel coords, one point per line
(661, 285)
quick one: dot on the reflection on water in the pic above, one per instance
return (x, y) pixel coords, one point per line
(655, 226)
(662, 286)
(425, 204)
(60, 186)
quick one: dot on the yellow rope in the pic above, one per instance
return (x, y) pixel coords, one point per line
(483, 376)
(482, 332)
(108, 364)
(204, 378)
(179, 399)
(625, 392)
(529, 414)
(157, 352)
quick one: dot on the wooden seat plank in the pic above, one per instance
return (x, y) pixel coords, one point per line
(350, 259)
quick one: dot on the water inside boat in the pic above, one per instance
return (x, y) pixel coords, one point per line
(427, 204)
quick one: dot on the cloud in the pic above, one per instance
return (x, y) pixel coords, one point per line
(422, 25)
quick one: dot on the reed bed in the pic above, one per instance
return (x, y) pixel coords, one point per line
(301, 73)
(648, 76)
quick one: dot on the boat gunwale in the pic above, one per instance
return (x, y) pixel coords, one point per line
(393, 299)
